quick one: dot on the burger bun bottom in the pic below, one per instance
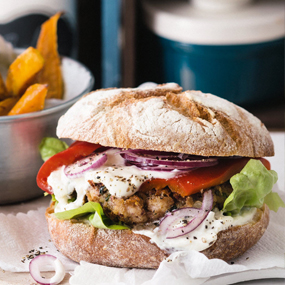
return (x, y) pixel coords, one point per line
(122, 248)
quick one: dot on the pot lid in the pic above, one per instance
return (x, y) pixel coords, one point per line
(216, 22)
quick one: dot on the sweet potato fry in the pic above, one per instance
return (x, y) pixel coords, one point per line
(7, 104)
(33, 100)
(47, 46)
(3, 89)
(23, 70)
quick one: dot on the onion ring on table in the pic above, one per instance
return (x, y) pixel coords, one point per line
(41, 262)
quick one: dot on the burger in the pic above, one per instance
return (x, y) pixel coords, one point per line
(156, 170)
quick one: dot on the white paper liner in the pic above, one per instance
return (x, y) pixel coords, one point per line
(24, 235)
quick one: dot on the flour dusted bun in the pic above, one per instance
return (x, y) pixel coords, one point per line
(166, 119)
(123, 248)
(161, 118)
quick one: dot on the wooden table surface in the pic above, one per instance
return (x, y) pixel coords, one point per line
(23, 278)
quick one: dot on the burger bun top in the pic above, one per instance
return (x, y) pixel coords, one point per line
(165, 118)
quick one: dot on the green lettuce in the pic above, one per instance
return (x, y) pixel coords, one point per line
(252, 187)
(51, 146)
(94, 213)
(273, 201)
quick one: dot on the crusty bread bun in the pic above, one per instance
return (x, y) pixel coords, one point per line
(123, 248)
(161, 118)
(166, 119)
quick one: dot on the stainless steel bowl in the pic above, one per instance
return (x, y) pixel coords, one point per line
(21, 135)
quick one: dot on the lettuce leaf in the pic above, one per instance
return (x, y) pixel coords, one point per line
(94, 213)
(51, 146)
(252, 187)
(273, 201)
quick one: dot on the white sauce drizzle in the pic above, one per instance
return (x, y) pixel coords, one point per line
(120, 180)
(203, 236)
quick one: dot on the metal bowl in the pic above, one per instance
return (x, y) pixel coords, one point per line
(21, 135)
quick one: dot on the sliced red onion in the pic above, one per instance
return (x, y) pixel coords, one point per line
(165, 159)
(153, 153)
(41, 262)
(92, 161)
(165, 168)
(165, 155)
(176, 216)
(159, 167)
(191, 218)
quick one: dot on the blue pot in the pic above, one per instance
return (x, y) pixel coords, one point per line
(233, 51)
(243, 74)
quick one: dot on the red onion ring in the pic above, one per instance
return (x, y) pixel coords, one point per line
(158, 167)
(92, 161)
(153, 153)
(165, 155)
(172, 217)
(168, 224)
(44, 260)
(155, 158)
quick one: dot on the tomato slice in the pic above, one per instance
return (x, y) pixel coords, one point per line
(201, 178)
(76, 151)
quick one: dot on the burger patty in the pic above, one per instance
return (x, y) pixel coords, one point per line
(150, 206)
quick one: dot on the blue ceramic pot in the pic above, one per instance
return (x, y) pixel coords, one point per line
(233, 51)
(243, 74)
